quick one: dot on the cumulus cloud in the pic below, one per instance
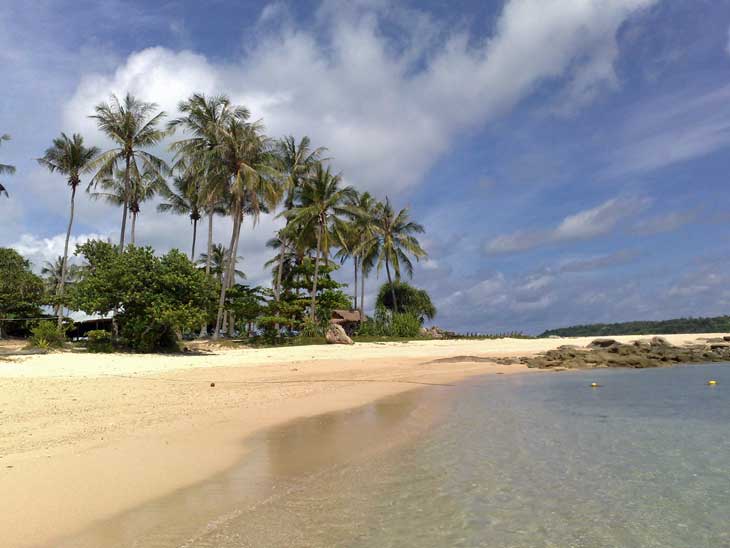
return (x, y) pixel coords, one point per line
(583, 225)
(347, 81)
(41, 250)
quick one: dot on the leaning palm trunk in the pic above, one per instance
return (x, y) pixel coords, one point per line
(230, 270)
(280, 269)
(126, 206)
(64, 266)
(312, 312)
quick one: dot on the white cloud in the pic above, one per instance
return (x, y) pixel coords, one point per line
(41, 250)
(386, 107)
(583, 225)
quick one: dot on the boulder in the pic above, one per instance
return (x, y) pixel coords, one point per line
(336, 335)
(602, 343)
(659, 341)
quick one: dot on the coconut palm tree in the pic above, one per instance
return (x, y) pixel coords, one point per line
(142, 188)
(395, 240)
(295, 162)
(244, 153)
(322, 204)
(5, 169)
(133, 126)
(217, 261)
(57, 275)
(203, 120)
(185, 199)
(69, 157)
(362, 244)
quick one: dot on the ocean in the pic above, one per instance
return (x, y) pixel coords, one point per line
(513, 461)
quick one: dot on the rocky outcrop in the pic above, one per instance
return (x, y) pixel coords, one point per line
(433, 332)
(335, 334)
(655, 352)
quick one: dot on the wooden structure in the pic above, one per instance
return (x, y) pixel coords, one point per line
(348, 319)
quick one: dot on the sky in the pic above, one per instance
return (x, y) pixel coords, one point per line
(569, 159)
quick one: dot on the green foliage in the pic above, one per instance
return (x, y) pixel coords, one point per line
(99, 340)
(156, 298)
(386, 324)
(410, 299)
(720, 324)
(21, 291)
(47, 335)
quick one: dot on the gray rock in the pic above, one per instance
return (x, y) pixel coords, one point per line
(336, 335)
(602, 343)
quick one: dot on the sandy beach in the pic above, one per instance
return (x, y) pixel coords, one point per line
(84, 437)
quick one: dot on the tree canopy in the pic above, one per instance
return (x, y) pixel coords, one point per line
(21, 291)
(409, 300)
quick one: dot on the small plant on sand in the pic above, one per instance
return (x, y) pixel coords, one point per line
(99, 340)
(47, 335)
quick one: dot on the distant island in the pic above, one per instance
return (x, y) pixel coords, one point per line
(719, 324)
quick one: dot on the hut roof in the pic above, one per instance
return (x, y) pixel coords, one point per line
(346, 315)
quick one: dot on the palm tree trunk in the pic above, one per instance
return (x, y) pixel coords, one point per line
(355, 261)
(362, 292)
(392, 287)
(280, 270)
(126, 205)
(210, 242)
(134, 224)
(195, 235)
(229, 272)
(64, 265)
(312, 311)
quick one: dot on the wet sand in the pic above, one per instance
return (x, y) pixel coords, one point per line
(84, 438)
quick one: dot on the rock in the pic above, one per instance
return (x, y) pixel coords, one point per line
(718, 345)
(336, 335)
(659, 341)
(602, 343)
(727, 338)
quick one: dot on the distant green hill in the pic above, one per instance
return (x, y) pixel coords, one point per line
(720, 324)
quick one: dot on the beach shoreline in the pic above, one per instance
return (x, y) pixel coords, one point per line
(85, 437)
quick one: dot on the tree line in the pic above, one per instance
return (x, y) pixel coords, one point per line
(224, 165)
(719, 324)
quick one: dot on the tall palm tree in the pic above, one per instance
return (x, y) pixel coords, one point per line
(5, 169)
(322, 204)
(363, 245)
(395, 240)
(203, 120)
(143, 187)
(184, 200)
(71, 158)
(295, 162)
(244, 153)
(133, 126)
(218, 261)
(57, 275)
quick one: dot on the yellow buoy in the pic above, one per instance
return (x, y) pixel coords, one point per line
(712, 383)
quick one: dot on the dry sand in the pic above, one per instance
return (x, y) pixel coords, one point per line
(84, 437)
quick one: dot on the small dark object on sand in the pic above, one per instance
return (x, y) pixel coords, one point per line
(212, 384)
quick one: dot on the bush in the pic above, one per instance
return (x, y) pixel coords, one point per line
(384, 324)
(405, 325)
(99, 340)
(47, 335)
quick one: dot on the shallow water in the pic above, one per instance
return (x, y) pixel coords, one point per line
(514, 461)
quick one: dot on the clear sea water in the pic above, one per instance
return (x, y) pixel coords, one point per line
(522, 461)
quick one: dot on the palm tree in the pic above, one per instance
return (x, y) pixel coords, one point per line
(71, 158)
(5, 168)
(244, 154)
(217, 261)
(132, 125)
(184, 200)
(323, 204)
(295, 163)
(57, 275)
(395, 240)
(142, 188)
(204, 119)
(362, 244)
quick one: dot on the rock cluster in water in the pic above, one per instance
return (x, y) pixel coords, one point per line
(655, 352)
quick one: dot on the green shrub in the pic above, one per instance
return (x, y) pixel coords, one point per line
(405, 325)
(47, 335)
(99, 340)
(385, 324)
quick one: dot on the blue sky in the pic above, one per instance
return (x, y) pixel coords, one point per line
(569, 158)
